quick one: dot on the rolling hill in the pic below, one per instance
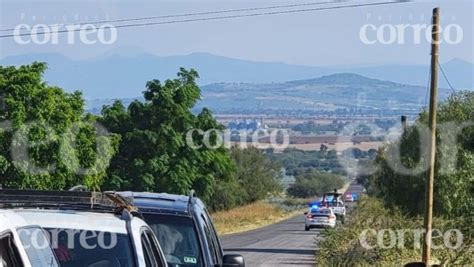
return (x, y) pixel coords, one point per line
(119, 75)
(341, 91)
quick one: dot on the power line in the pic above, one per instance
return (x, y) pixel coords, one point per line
(201, 13)
(217, 18)
(446, 77)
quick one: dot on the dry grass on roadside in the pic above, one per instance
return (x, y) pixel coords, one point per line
(248, 217)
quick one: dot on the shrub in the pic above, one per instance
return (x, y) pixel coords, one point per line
(342, 246)
(313, 183)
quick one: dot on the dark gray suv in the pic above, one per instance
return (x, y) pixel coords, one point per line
(184, 229)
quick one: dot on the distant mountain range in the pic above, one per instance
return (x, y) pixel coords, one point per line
(118, 76)
(341, 92)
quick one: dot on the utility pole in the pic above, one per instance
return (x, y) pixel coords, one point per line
(432, 149)
(403, 120)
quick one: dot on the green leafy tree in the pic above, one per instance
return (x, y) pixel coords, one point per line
(313, 183)
(255, 176)
(46, 140)
(454, 169)
(256, 173)
(154, 152)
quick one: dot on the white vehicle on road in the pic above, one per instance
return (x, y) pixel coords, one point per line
(334, 201)
(16, 245)
(86, 232)
(319, 217)
(337, 207)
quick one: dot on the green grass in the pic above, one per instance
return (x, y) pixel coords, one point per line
(342, 246)
(249, 217)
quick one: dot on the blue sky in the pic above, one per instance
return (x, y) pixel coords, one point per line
(321, 38)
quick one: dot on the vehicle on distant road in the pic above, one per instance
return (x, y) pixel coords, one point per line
(16, 247)
(350, 197)
(334, 201)
(184, 228)
(319, 217)
(85, 228)
(338, 208)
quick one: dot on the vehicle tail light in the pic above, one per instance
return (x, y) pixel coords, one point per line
(332, 217)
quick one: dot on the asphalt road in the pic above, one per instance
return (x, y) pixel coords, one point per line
(282, 244)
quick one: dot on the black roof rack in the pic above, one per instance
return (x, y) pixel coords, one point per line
(65, 200)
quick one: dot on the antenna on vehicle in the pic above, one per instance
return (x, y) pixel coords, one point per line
(192, 194)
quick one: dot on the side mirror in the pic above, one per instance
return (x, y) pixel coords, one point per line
(233, 260)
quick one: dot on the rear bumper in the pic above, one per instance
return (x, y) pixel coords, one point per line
(314, 224)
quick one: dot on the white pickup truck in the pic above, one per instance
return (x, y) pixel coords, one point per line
(335, 202)
(16, 243)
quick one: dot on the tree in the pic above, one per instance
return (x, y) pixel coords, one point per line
(154, 153)
(255, 173)
(454, 169)
(313, 183)
(323, 148)
(46, 140)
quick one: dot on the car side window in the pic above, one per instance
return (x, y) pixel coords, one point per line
(146, 250)
(151, 251)
(155, 247)
(37, 247)
(210, 240)
(215, 237)
(9, 256)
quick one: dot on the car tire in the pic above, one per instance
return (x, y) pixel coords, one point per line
(306, 228)
(343, 219)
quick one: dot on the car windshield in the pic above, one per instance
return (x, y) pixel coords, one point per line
(75, 248)
(178, 239)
